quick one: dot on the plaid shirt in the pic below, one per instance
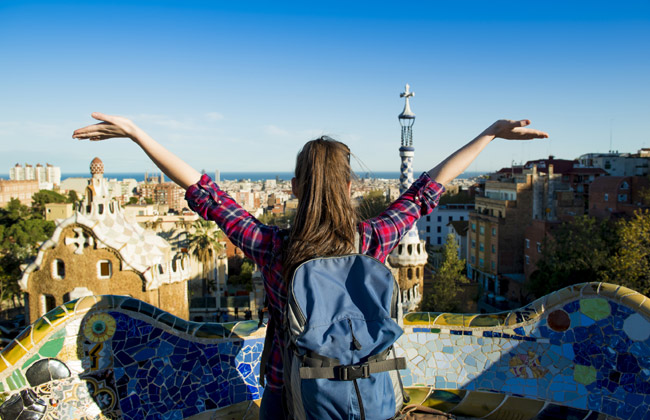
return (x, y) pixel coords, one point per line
(263, 244)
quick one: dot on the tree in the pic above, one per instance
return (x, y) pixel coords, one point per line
(243, 276)
(446, 281)
(133, 200)
(630, 265)
(205, 244)
(282, 220)
(43, 197)
(21, 231)
(577, 252)
(73, 197)
(372, 204)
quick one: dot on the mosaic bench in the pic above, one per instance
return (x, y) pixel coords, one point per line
(580, 353)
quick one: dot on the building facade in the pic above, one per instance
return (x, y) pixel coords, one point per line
(20, 190)
(96, 251)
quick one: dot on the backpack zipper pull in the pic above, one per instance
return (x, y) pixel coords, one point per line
(355, 342)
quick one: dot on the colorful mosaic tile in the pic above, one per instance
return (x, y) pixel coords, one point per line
(582, 352)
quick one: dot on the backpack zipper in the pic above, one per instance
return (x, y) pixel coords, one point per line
(355, 342)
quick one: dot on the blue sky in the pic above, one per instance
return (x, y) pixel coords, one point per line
(240, 86)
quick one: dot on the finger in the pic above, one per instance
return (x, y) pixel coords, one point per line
(103, 117)
(522, 123)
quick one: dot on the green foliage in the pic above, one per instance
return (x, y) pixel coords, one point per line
(21, 232)
(133, 200)
(462, 197)
(446, 281)
(282, 220)
(73, 197)
(372, 204)
(630, 265)
(148, 200)
(43, 197)
(243, 277)
(205, 244)
(577, 252)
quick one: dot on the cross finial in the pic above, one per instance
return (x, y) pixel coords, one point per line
(406, 94)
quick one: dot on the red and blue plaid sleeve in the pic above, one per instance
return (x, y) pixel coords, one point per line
(254, 238)
(383, 233)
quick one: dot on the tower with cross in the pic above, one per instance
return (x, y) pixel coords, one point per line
(410, 256)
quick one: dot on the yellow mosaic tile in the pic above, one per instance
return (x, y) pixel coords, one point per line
(511, 319)
(444, 399)
(590, 288)
(417, 318)
(25, 339)
(454, 320)
(56, 316)
(491, 320)
(560, 297)
(634, 300)
(417, 394)
(85, 304)
(13, 353)
(517, 408)
(608, 290)
(3, 365)
(478, 404)
(40, 329)
(69, 306)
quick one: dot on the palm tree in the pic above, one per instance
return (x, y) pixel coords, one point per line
(205, 245)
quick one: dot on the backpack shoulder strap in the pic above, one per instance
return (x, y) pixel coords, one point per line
(266, 350)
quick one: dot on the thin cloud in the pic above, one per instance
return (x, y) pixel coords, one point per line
(214, 116)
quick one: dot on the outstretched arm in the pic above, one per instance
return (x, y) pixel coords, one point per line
(113, 127)
(455, 164)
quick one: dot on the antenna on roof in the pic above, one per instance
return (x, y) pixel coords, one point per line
(611, 134)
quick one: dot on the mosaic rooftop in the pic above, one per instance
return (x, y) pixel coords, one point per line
(580, 353)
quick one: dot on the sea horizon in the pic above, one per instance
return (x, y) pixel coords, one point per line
(250, 175)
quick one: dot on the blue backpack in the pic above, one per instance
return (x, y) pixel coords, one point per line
(339, 328)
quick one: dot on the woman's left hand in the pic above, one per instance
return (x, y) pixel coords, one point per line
(514, 130)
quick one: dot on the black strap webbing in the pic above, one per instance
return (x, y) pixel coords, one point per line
(350, 372)
(266, 351)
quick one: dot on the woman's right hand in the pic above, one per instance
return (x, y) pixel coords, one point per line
(112, 126)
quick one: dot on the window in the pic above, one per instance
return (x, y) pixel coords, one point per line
(527, 260)
(480, 247)
(494, 249)
(494, 231)
(622, 198)
(480, 262)
(473, 243)
(462, 217)
(409, 273)
(473, 260)
(527, 243)
(539, 248)
(439, 240)
(440, 218)
(428, 228)
(58, 269)
(450, 218)
(625, 185)
(439, 229)
(47, 303)
(606, 198)
(104, 269)
(482, 230)
(417, 272)
(494, 265)
(428, 218)
(473, 227)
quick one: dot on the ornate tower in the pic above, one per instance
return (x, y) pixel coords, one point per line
(410, 256)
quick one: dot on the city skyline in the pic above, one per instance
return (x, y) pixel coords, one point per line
(240, 88)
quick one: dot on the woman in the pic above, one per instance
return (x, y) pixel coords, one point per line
(325, 222)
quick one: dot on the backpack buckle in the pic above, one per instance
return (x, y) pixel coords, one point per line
(352, 372)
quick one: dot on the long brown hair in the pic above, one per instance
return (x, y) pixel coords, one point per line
(325, 221)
